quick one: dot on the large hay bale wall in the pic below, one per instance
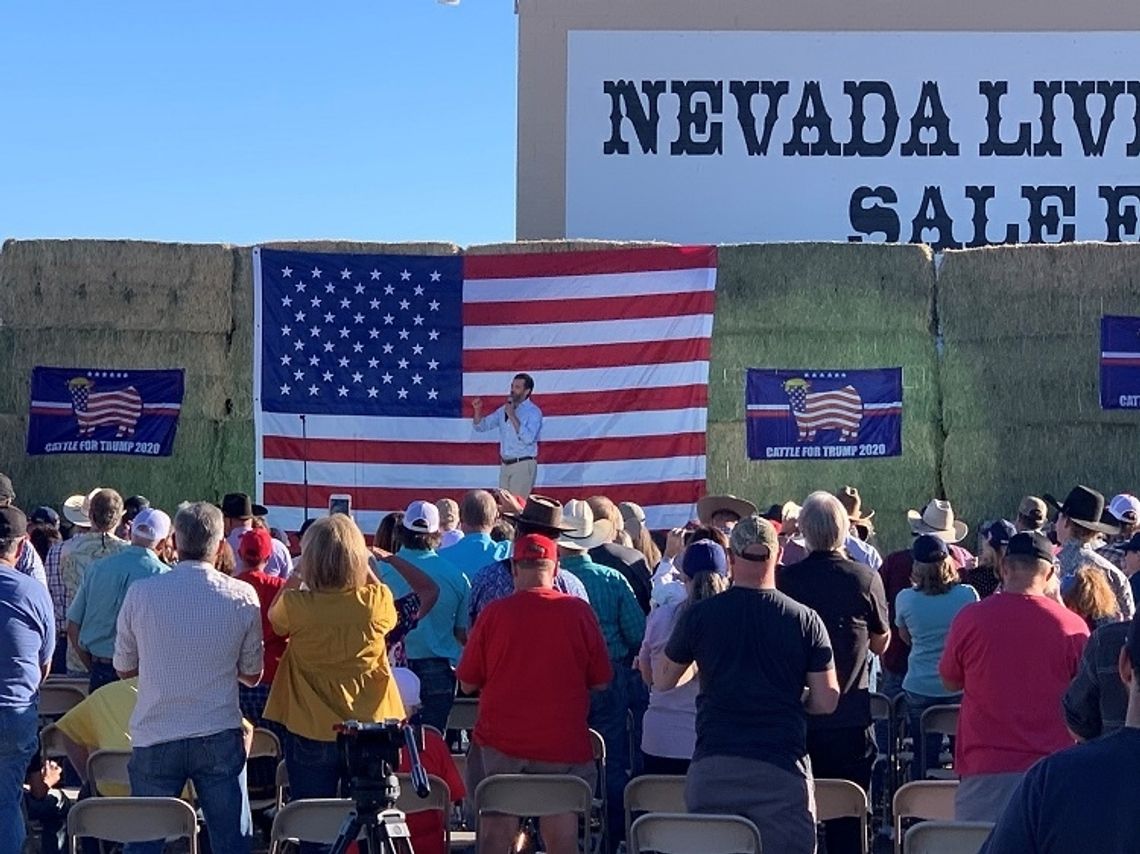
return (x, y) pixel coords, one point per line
(800, 305)
(1021, 403)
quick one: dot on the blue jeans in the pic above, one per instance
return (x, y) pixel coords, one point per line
(314, 772)
(19, 741)
(216, 765)
(101, 674)
(437, 689)
(608, 715)
(925, 750)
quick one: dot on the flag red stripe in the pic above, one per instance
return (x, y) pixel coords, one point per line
(615, 400)
(590, 309)
(479, 453)
(381, 498)
(587, 355)
(601, 262)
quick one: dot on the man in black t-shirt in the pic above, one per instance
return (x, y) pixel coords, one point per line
(849, 597)
(755, 650)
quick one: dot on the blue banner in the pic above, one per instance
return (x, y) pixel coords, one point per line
(104, 411)
(824, 414)
(1119, 362)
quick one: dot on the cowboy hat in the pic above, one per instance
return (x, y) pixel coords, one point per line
(541, 514)
(849, 497)
(583, 531)
(937, 518)
(237, 505)
(76, 508)
(712, 504)
(1085, 507)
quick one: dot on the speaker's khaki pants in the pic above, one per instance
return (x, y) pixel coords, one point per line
(518, 478)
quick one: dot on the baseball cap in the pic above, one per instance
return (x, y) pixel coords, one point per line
(534, 547)
(704, 556)
(13, 523)
(999, 532)
(255, 546)
(44, 515)
(1133, 545)
(928, 548)
(753, 530)
(7, 493)
(1033, 509)
(408, 684)
(152, 524)
(1031, 544)
(422, 516)
(1125, 507)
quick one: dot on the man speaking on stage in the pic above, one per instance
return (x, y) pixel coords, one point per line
(518, 422)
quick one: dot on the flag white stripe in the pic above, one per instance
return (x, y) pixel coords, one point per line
(562, 288)
(896, 405)
(635, 330)
(619, 378)
(615, 425)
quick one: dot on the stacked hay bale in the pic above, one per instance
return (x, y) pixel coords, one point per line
(1021, 327)
(802, 305)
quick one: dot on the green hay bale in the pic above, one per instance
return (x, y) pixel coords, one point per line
(115, 284)
(826, 306)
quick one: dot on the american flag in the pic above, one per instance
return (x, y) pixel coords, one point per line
(366, 365)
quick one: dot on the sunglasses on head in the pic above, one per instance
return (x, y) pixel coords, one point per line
(755, 557)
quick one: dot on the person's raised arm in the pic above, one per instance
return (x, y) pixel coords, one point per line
(420, 582)
(823, 692)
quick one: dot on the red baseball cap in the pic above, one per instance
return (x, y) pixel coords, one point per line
(535, 547)
(255, 546)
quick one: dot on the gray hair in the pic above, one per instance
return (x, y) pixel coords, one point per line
(198, 531)
(824, 522)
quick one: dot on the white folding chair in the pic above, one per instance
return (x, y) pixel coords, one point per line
(947, 837)
(131, 820)
(282, 783)
(108, 767)
(598, 812)
(309, 820)
(932, 800)
(265, 746)
(59, 698)
(537, 795)
(653, 793)
(675, 833)
(842, 799)
(439, 798)
(940, 720)
(463, 713)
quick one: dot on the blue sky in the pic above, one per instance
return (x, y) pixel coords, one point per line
(248, 121)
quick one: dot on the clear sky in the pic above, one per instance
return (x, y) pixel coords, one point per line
(246, 121)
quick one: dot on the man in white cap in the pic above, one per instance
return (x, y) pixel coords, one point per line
(434, 645)
(94, 611)
(1125, 509)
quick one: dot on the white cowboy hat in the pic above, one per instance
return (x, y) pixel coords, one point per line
(76, 508)
(937, 518)
(710, 504)
(585, 532)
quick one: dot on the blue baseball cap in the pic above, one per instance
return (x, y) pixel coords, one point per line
(928, 548)
(704, 556)
(999, 533)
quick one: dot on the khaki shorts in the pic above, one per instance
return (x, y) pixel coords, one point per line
(484, 762)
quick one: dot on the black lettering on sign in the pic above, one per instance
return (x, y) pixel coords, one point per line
(742, 91)
(858, 91)
(1047, 91)
(1123, 204)
(994, 145)
(811, 115)
(625, 103)
(693, 117)
(929, 115)
(1078, 92)
(876, 219)
(932, 215)
(981, 196)
(1133, 89)
(1046, 218)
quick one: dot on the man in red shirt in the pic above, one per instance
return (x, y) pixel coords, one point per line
(535, 656)
(254, 550)
(1013, 656)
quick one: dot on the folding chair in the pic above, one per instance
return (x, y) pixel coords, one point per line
(57, 699)
(927, 799)
(882, 712)
(108, 768)
(947, 837)
(83, 683)
(653, 793)
(842, 799)
(282, 783)
(940, 720)
(317, 820)
(537, 795)
(600, 806)
(464, 711)
(132, 820)
(669, 833)
(438, 799)
(266, 746)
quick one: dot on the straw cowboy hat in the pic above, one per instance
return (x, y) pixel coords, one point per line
(712, 504)
(1085, 507)
(849, 497)
(937, 518)
(583, 532)
(76, 508)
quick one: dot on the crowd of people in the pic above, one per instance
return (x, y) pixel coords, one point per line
(740, 651)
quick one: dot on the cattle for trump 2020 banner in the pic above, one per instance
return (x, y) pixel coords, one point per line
(1119, 362)
(824, 414)
(104, 411)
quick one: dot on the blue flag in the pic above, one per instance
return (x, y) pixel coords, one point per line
(1119, 362)
(104, 411)
(824, 414)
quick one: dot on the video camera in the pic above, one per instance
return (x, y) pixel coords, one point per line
(370, 753)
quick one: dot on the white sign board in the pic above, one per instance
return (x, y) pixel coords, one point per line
(953, 139)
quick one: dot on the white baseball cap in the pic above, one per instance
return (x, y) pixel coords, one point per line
(408, 685)
(1125, 507)
(151, 524)
(422, 517)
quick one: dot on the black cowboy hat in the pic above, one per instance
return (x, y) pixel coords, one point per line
(236, 505)
(1085, 507)
(540, 514)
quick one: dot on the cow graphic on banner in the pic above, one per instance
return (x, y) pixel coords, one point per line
(824, 414)
(104, 411)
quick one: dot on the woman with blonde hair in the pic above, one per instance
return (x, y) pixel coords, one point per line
(335, 667)
(923, 614)
(1088, 595)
